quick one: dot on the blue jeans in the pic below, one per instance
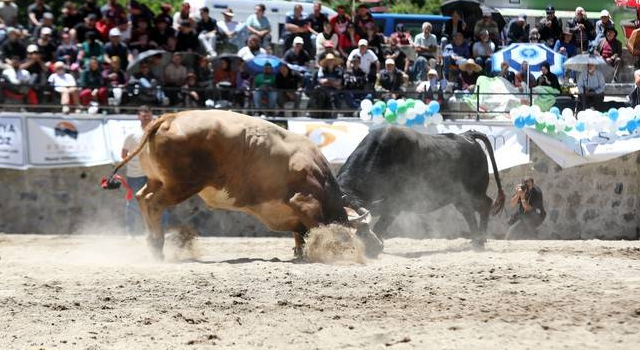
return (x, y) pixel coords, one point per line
(258, 95)
(485, 63)
(133, 222)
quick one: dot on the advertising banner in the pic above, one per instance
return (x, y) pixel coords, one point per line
(56, 142)
(11, 144)
(336, 140)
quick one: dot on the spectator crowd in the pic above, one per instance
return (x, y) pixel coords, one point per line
(88, 56)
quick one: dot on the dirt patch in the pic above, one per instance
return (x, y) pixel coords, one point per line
(332, 244)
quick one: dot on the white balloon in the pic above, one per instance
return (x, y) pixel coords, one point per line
(420, 107)
(636, 111)
(535, 109)
(411, 113)
(365, 116)
(567, 113)
(402, 120)
(378, 119)
(581, 115)
(366, 105)
(549, 118)
(437, 119)
(571, 122)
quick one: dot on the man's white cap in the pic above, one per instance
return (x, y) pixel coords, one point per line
(432, 72)
(298, 40)
(32, 48)
(114, 32)
(390, 61)
(363, 42)
(46, 31)
(604, 13)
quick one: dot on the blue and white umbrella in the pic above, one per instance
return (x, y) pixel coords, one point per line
(534, 54)
(256, 64)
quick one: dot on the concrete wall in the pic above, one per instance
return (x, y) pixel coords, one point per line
(581, 204)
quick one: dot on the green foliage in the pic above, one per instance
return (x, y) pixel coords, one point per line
(416, 6)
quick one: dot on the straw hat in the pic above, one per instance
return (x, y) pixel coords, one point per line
(228, 12)
(330, 57)
(471, 63)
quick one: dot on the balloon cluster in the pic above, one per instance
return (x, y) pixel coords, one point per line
(403, 112)
(613, 121)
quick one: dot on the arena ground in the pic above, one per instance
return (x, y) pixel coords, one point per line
(104, 292)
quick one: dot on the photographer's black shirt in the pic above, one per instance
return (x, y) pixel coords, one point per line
(534, 198)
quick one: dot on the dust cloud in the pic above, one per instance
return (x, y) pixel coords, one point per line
(334, 244)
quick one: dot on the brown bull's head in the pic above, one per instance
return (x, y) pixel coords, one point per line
(360, 220)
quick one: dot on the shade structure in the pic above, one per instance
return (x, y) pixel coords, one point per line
(256, 64)
(534, 54)
(164, 59)
(580, 63)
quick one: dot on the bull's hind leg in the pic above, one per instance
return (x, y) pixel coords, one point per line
(468, 212)
(483, 207)
(310, 214)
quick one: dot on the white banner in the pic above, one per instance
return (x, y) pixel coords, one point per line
(117, 131)
(336, 140)
(567, 151)
(55, 142)
(11, 145)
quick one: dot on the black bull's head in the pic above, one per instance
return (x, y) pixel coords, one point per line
(360, 219)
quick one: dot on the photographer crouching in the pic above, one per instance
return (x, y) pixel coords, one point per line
(530, 214)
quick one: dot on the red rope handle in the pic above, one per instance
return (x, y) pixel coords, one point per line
(113, 182)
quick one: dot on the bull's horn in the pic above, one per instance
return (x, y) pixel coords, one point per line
(363, 214)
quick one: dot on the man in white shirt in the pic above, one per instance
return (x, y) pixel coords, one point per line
(136, 178)
(231, 31)
(426, 46)
(367, 58)
(64, 84)
(252, 49)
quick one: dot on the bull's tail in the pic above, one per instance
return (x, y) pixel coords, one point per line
(498, 204)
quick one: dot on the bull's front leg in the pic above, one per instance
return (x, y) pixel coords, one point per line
(151, 208)
(299, 246)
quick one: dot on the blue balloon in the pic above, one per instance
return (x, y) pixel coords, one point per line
(529, 120)
(419, 119)
(519, 123)
(580, 126)
(392, 105)
(433, 107)
(376, 110)
(409, 122)
(555, 110)
(613, 114)
(428, 114)
(632, 125)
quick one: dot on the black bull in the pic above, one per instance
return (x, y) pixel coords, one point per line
(397, 169)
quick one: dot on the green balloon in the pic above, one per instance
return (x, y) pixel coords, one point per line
(540, 126)
(567, 128)
(411, 103)
(390, 116)
(402, 108)
(551, 129)
(382, 105)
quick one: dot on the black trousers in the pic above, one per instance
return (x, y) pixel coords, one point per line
(526, 226)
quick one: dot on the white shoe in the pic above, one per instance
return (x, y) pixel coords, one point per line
(77, 111)
(66, 109)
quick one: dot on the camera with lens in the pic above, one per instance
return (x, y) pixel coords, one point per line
(523, 187)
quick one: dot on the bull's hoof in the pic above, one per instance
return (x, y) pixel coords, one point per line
(298, 254)
(478, 244)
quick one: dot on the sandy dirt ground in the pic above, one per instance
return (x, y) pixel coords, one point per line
(105, 292)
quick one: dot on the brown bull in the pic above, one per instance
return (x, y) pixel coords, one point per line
(236, 162)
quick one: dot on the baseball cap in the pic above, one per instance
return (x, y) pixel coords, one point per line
(46, 31)
(390, 61)
(550, 9)
(298, 40)
(114, 32)
(32, 48)
(48, 15)
(432, 72)
(604, 13)
(363, 42)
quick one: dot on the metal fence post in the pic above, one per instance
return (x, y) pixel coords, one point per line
(477, 102)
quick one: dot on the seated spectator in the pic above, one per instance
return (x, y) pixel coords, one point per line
(340, 20)
(317, 19)
(402, 36)
(112, 11)
(634, 96)
(297, 55)
(165, 14)
(456, 52)
(231, 32)
(161, 34)
(506, 73)
(36, 67)
(146, 87)
(487, 23)
(225, 80)
(103, 25)
(287, 85)
(183, 15)
(434, 88)
(64, 84)
(140, 39)
(426, 46)
(547, 78)
(524, 78)
(392, 79)
(8, 13)
(534, 36)
(550, 27)
(139, 13)
(91, 47)
(610, 48)
(193, 96)
(591, 86)
(376, 40)
(327, 35)
(175, 77)
(68, 53)
(355, 80)
(327, 81)
(328, 49)
(35, 12)
(187, 39)
(13, 46)
(252, 49)
(207, 30)
(18, 82)
(395, 53)
(454, 25)
(482, 51)
(582, 29)
(115, 48)
(47, 22)
(296, 24)
(258, 24)
(347, 41)
(518, 30)
(264, 88)
(566, 45)
(204, 73)
(80, 30)
(363, 20)
(602, 25)
(116, 79)
(368, 60)
(46, 46)
(469, 73)
(93, 87)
